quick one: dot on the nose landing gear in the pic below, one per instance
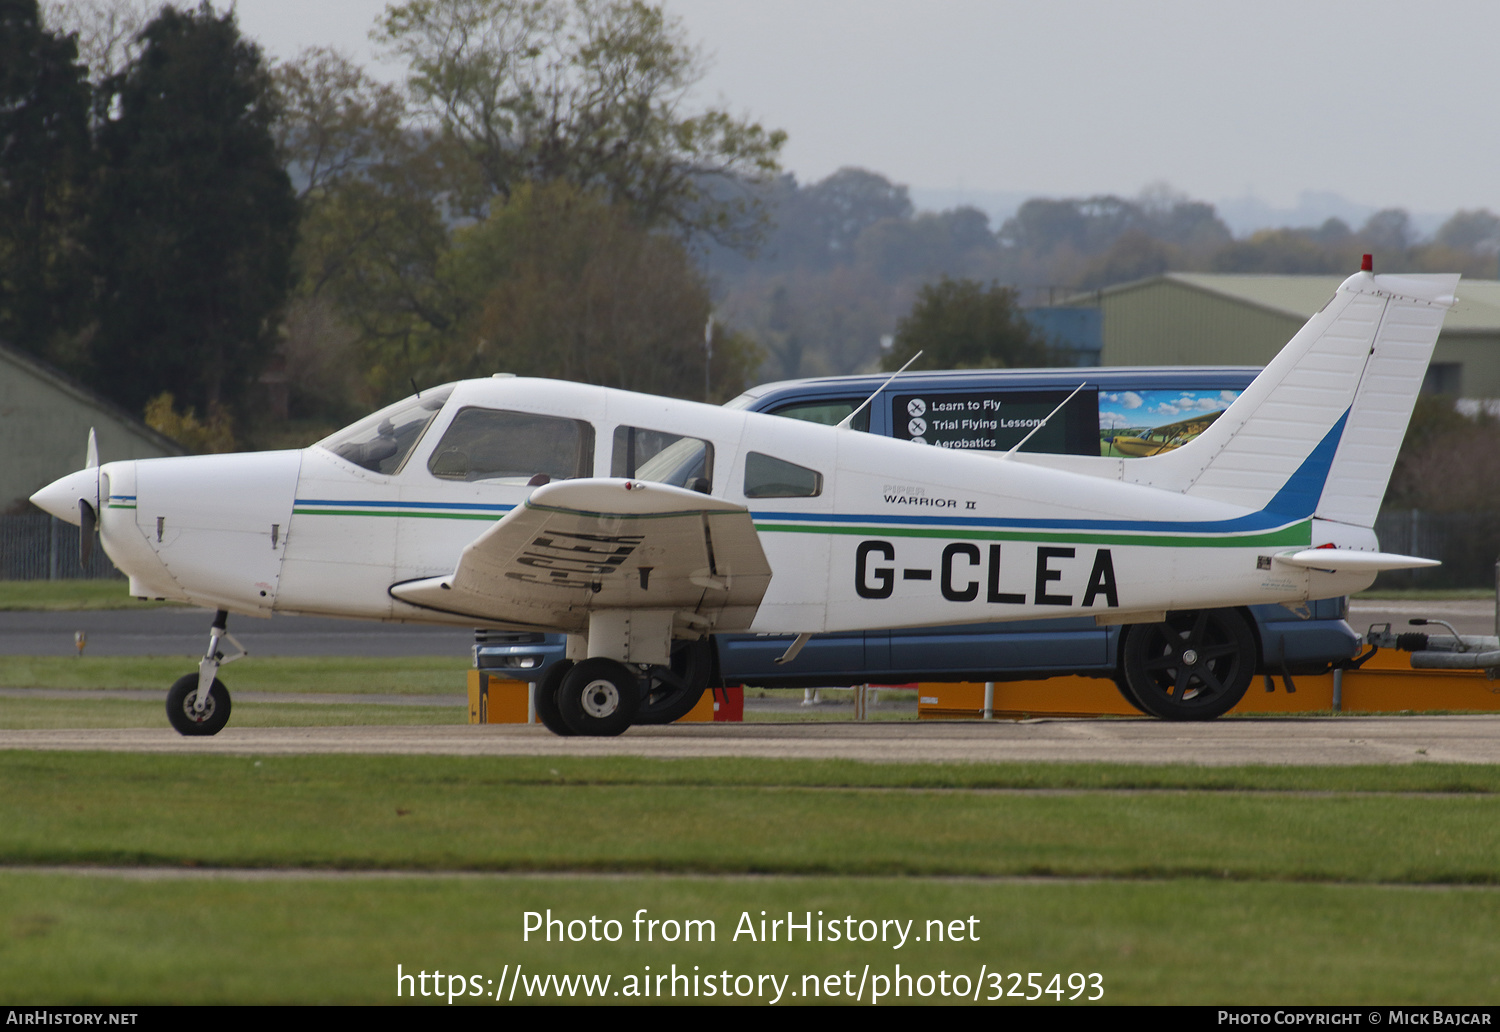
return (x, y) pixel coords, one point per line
(198, 704)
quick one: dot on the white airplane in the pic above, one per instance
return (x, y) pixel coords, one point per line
(629, 521)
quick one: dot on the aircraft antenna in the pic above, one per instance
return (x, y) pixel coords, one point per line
(1017, 446)
(849, 419)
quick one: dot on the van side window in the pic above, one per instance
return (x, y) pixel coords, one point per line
(514, 447)
(828, 412)
(662, 457)
(770, 477)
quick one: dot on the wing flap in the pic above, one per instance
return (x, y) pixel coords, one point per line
(583, 545)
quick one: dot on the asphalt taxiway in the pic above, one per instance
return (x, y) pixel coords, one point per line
(1282, 740)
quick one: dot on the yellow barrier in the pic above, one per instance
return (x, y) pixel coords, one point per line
(1385, 684)
(497, 700)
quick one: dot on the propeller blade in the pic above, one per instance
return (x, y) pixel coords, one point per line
(87, 524)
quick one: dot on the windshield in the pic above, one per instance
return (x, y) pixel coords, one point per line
(382, 441)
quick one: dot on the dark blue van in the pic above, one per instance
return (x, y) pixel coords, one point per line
(1115, 412)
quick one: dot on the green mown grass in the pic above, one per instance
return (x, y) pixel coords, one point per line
(1176, 884)
(22, 714)
(484, 813)
(80, 940)
(69, 595)
(402, 675)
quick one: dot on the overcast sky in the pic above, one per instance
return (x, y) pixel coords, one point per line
(1390, 103)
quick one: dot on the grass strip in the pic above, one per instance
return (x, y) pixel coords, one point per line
(87, 940)
(63, 714)
(421, 675)
(457, 813)
(69, 595)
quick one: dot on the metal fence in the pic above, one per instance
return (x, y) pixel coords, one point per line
(46, 548)
(1467, 544)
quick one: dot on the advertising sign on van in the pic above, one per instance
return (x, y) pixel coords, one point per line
(983, 420)
(1135, 424)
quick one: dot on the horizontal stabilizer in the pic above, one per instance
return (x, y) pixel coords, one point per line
(1347, 560)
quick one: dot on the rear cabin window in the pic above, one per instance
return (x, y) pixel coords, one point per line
(513, 447)
(769, 477)
(655, 455)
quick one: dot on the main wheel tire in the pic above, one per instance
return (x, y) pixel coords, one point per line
(672, 691)
(188, 721)
(1195, 665)
(599, 697)
(545, 699)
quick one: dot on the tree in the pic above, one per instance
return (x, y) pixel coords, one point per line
(1388, 232)
(107, 31)
(195, 219)
(334, 121)
(957, 242)
(1283, 251)
(962, 324)
(558, 282)
(1135, 255)
(587, 92)
(849, 202)
(372, 234)
(1474, 231)
(45, 168)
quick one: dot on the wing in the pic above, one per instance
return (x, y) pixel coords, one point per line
(577, 546)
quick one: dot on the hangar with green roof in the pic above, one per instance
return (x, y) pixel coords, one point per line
(1197, 318)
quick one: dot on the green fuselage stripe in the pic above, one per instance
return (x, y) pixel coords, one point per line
(1296, 534)
(414, 514)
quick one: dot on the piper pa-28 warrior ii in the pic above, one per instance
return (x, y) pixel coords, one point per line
(630, 522)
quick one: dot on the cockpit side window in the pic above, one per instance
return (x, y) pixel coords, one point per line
(513, 447)
(769, 477)
(665, 458)
(381, 442)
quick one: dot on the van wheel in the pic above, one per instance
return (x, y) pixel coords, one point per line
(1195, 665)
(1127, 694)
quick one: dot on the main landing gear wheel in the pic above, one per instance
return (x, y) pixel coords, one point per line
(545, 699)
(599, 697)
(186, 718)
(671, 692)
(1192, 666)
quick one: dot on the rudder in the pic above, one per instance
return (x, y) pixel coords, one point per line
(1317, 432)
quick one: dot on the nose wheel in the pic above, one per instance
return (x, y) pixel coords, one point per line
(198, 704)
(187, 717)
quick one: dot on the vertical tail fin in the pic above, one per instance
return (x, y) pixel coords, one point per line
(1318, 430)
